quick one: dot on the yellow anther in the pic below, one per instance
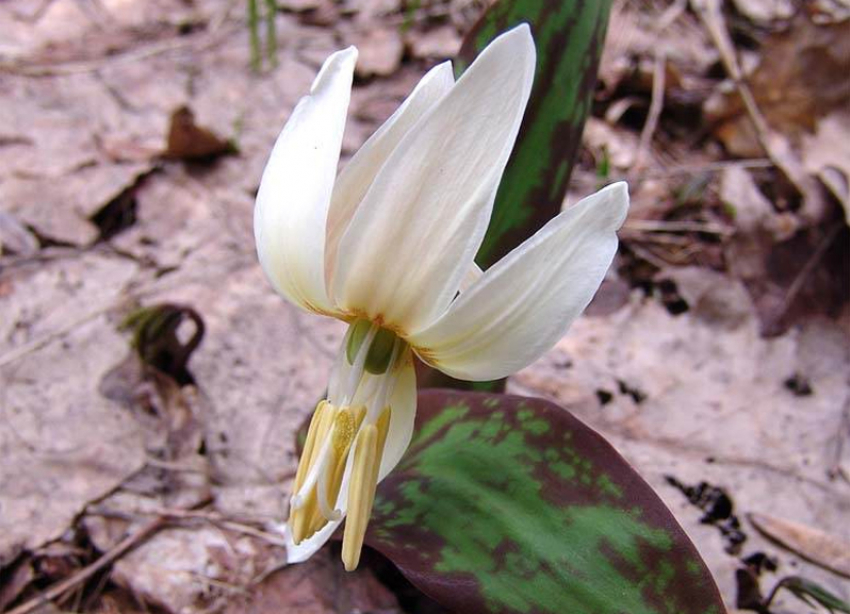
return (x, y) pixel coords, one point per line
(361, 490)
(303, 521)
(309, 444)
(360, 495)
(383, 425)
(343, 431)
(337, 469)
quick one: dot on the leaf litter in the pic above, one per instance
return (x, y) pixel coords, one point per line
(674, 368)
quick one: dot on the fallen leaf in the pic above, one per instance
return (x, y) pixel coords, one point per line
(62, 443)
(189, 141)
(15, 238)
(440, 43)
(765, 12)
(381, 51)
(797, 80)
(824, 549)
(15, 580)
(317, 586)
(826, 153)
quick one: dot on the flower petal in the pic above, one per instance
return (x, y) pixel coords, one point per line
(291, 212)
(413, 237)
(298, 553)
(473, 274)
(524, 303)
(359, 173)
(403, 404)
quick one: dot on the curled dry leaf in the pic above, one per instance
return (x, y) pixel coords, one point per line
(826, 153)
(189, 141)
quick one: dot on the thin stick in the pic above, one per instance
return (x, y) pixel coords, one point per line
(271, 32)
(70, 68)
(776, 148)
(682, 226)
(655, 108)
(808, 268)
(254, 33)
(124, 546)
(710, 167)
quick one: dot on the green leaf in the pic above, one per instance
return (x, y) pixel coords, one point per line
(569, 36)
(506, 504)
(807, 591)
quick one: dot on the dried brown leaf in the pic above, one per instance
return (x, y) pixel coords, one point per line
(827, 550)
(189, 141)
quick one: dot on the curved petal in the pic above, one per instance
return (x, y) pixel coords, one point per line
(523, 304)
(413, 237)
(298, 553)
(473, 274)
(291, 212)
(403, 404)
(359, 173)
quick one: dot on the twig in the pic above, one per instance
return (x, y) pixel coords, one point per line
(776, 147)
(806, 271)
(683, 226)
(711, 167)
(254, 34)
(836, 470)
(120, 549)
(171, 466)
(70, 68)
(224, 522)
(647, 255)
(211, 517)
(40, 342)
(671, 14)
(655, 108)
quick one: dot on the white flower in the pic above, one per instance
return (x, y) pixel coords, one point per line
(388, 247)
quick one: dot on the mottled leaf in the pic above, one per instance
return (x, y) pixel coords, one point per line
(506, 504)
(569, 36)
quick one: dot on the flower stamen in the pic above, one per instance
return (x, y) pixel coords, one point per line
(367, 373)
(368, 452)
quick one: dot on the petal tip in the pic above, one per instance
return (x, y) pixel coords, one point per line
(523, 36)
(350, 53)
(522, 40)
(338, 61)
(524, 28)
(620, 200)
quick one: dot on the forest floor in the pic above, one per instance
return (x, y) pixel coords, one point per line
(716, 356)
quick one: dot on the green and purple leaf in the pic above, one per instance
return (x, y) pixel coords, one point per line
(569, 36)
(506, 504)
